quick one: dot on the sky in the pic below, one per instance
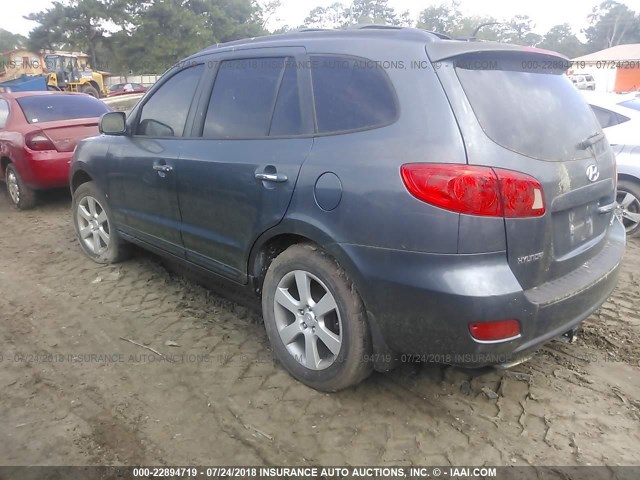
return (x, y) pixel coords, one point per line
(545, 13)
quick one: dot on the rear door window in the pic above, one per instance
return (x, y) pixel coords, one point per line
(287, 116)
(54, 107)
(165, 113)
(4, 113)
(248, 93)
(534, 112)
(351, 94)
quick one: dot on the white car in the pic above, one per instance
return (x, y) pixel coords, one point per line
(583, 82)
(619, 116)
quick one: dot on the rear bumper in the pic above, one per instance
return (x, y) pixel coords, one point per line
(41, 170)
(421, 304)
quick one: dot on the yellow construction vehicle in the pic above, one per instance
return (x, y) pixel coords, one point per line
(64, 73)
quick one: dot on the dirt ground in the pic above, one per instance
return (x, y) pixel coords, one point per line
(72, 392)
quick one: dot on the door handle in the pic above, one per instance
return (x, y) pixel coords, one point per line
(163, 168)
(271, 177)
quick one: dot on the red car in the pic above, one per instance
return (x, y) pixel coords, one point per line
(38, 133)
(126, 89)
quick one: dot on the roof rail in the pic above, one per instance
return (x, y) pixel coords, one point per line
(373, 26)
(310, 29)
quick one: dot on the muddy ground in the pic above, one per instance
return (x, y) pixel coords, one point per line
(224, 401)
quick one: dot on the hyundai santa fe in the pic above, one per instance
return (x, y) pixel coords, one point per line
(389, 193)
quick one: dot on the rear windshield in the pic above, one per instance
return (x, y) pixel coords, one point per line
(50, 108)
(527, 107)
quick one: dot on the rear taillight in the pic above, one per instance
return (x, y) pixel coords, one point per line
(521, 194)
(475, 190)
(495, 331)
(38, 141)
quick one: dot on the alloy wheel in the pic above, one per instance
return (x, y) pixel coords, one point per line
(308, 320)
(93, 225)
(13, 187)
(630, 210)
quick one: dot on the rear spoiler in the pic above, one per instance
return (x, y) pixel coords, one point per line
(438, 51)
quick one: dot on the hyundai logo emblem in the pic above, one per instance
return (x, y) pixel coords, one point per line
(593, 173)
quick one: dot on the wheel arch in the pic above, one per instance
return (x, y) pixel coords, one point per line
(95, 85)
(278, 239)
(629, 178)
(290, 232)
(4, 162)
(266, 249)
(79, 177)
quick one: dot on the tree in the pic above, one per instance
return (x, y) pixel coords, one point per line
(48, 34)
(560, 38)
(405, 20)
(10, 41)
(521, 31)
(150, 36)
(444, 18)
(612, 23)
(338, 15)
(266, 11)
(372, 11)
(164, 33)
(77, 24)
(333, 16)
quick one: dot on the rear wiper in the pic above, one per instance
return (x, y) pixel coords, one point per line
(590, 141)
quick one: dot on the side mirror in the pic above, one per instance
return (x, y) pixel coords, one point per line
(113, 123)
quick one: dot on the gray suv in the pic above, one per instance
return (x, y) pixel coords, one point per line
(389, 193)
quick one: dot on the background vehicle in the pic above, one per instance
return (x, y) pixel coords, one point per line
(583, 82)
(123, 103)
(378, 211)
(38, 134)
(62, 73)
(619, 116)
(126, 89)
(65, 74)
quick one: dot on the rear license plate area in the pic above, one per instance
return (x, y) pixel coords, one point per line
(575, 227)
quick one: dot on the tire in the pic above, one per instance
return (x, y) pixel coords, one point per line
(292, 335)
(20, 195)
(628, 196)
(95, 228)
(89, 90)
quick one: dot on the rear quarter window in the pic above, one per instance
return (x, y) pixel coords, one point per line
(351, 94)
(51, 108)
(605, 117)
